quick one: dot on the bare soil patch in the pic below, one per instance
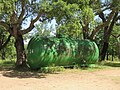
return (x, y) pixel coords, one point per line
(107, 79)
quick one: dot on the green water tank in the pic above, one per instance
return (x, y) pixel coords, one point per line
(88, 52)
(42, 52)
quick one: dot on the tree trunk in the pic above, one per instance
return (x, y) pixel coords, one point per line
(85, 31)
(105, 44)
(119, 51)
(104, 50)
(20, 51)
(112, 54)
(3, 54)
(107, 58)
(107, 33)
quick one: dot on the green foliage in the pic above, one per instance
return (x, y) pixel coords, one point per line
(87, 15)
(9, 49)
(43, 29)
(114, 41)
(63, 11)
(71, 28)
(7, 63)
(114, 63)
(7, 6)
(45, 5)
(72, 15)
(52, 69)
(115, 4)
(76, 66)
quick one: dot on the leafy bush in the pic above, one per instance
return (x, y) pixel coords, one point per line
(52, 69)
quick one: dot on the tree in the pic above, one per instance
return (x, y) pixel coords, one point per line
(106, 10)
(71, 28)
(115, 39)
(64, 14)
(108, 21)
(19, 12)
(14, 15)
(76, 16)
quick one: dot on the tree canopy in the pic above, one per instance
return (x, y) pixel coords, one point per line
(74, 18)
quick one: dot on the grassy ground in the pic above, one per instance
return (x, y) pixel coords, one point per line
(4, 64)
(10, 65)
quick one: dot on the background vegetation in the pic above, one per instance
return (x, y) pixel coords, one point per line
(96, 20)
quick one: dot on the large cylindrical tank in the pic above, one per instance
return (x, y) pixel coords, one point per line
(88, 52)
(62, 51)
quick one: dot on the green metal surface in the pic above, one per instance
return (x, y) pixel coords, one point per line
(62, 51)
(88, 52)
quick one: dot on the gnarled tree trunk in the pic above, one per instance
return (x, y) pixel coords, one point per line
(107, 34)
(104, 50)
(20, 51)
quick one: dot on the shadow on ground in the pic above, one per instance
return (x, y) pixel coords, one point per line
(19, 74)
(14, 73)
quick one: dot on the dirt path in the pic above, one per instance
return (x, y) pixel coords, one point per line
(68, 80)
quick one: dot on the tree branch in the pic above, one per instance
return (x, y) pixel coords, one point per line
(101, 15)
(31, 26)
(22, 12)
(112, 23)
(26, 16)
(115, 36)
(118, 18)
(105, 8)
(106, 23)
(8, 39)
